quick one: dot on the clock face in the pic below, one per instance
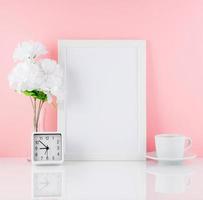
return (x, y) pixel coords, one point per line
(47, 147)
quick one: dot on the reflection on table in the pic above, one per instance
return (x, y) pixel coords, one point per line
(47, 182)
(113, 180)
(171, 179)
(90, 180)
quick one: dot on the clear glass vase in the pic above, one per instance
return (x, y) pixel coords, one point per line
(39, 128)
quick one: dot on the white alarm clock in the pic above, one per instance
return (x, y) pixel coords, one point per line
(47, 148)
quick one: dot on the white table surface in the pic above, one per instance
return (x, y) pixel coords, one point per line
(101, 180)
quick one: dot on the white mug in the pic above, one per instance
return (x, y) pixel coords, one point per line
(172, 145)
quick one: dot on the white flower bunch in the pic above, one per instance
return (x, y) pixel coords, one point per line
(38, 78)
(28, 51)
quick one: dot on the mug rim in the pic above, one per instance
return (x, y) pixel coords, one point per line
(169, 134)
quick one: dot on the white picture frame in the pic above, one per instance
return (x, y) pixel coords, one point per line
(103, 112)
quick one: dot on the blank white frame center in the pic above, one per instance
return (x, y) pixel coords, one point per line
(103, 114)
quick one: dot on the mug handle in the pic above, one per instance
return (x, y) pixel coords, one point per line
(188, 143)
(187, 181)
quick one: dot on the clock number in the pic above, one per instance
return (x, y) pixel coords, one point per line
(53, 137)
(58, 154)
(53, 158)
(47, 157)
(41, 138)
(36, 142)
(41, 157)
(47, 137)
(57, 147)
(36, 154)
(58, 141)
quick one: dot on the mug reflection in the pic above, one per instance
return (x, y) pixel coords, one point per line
(171, 179)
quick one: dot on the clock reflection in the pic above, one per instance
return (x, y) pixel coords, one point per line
(47, 182)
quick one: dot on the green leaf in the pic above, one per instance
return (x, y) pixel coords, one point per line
(36, 94)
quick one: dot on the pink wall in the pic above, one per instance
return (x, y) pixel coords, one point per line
(173, 29)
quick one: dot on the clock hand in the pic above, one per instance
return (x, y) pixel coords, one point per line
(44, 185)
(42, 148)
(47, 148)
(42, 143)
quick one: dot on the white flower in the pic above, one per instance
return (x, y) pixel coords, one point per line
(26, 76)
(49, 96)
(43, 75)
(53, 76)
(58, 92)
(27, 51)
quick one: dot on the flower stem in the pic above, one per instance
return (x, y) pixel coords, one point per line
(38, 112)
(37, 107)
(35, 112)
